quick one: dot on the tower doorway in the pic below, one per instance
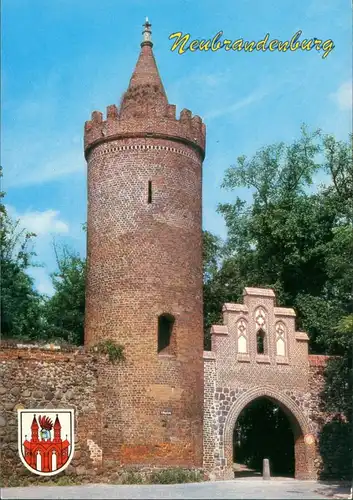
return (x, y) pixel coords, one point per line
(263, 430)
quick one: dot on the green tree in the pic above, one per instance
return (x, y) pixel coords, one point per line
(288, 236)
(212, 297)
(336, 447)
(21, 305)
(339, 373)
(65, 310)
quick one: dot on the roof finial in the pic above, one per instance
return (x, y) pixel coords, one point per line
(147, 34)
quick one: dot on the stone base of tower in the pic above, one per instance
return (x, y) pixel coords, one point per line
(148, 424)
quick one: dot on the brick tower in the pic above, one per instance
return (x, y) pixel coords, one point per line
(144, 275)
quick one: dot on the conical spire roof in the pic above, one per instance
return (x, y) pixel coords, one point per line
(145, 94)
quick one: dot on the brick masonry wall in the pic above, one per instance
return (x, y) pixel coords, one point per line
(33, 378)
(89, 384)
(233, 379)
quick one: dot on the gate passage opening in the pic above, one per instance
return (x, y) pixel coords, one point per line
(263, 430)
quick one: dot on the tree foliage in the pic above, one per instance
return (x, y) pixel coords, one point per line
(27, 315)
(21, 304)
(294, 236)
(65, 310)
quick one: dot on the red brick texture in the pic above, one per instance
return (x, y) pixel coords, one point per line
(318, 360)
(236, 375)
(145, 259)
(146, 92)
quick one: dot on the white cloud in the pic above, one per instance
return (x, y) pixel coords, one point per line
(41, 223)
(46, 224)
(343, 96)
(181, 92)
(41, 140)
(203, 80)
(42, 280)
(247, 101)
(34, 165)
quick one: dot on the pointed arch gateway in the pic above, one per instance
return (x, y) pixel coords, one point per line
(304, 444)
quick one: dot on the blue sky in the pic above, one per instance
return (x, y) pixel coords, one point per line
(62, 59)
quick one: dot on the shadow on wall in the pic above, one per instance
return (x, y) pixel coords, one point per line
(336, 444)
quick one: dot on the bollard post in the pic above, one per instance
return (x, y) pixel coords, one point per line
(266, 469)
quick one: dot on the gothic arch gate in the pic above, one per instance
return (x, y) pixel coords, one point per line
(304, 446)
(237, 371)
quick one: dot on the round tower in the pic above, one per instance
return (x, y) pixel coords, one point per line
(144, 265)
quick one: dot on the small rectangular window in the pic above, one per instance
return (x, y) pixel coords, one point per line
(149, 191)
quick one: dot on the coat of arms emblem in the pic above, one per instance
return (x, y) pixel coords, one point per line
(46, 440)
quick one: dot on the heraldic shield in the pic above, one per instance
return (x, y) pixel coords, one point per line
(46, 440)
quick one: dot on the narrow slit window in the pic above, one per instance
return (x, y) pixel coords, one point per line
(165, 330)
(149, 191)
(260, 341)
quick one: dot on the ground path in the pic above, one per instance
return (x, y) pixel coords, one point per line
(239, 488)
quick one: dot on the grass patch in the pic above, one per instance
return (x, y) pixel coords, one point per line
(175, 476)
(132, 477)
(23, 481)
(126, 476)
(159, 476)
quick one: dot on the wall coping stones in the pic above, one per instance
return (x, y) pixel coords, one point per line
(262, 358)
(319, 359)
(301, 336)
(235, 307)
(12, 344)
(37, 354)
(282, 360)
(209, 356)
(259, 292)
(243, 357)
(284, 311)
(219, 330)
(51, 347)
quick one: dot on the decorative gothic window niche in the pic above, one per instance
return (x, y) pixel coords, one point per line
(260, 318)
(281, 339)
(242, 337)
(165, 333)
(261, 337)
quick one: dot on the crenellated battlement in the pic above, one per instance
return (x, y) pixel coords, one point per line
(187, 128)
